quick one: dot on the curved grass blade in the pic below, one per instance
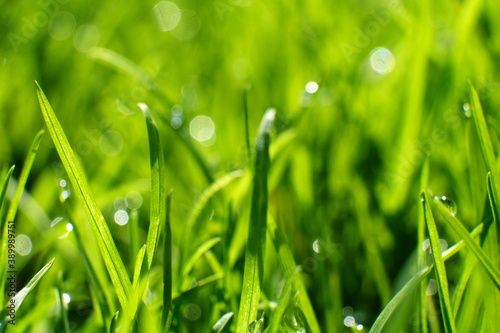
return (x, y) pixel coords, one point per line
(167, 312)
(459, 228)
(209, 193)
(441, 278)
(23, 293)
(415, 280)
(257, 231)
(197, 255)
(157, 213)
(223, 324)
(107, 247)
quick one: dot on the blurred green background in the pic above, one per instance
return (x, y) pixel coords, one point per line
(364, 90)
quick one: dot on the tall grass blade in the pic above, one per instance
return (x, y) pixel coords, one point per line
(114, 322)
(247, 129)
(414, 281)
(23, 178)
(257, 231)
(107, 247)
(158, 211)
(3, 192)
(422, 297)
(459, 228)
(167, 270)
(441, 278)
(14, 205)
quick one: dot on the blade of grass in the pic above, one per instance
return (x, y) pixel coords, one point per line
(285, 257)
(422, 297)
(247, 130)
(167, 270)
(3, 191)
(414, 281)
(114, 322)
(223, 324)
(209, 193)
(133, 235)
(441, 278)
(23, 178)
(157, 213)
(107, 247)
(23, 293)
(64, 310)
(257, 231)
(459, 228)
(198, 254)
(14, 205)
(283, 301)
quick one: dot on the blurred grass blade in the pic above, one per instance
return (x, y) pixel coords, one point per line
(414, 281)
(257, 231)
(157, 213)
(3, 191)
(491, 269)
(441, 278)
(247, 129)
(14, 205)
(23, 293)
(197, 255)
(223, 324)
(114, 263)
(139, 261)
(208, 194)
(167, 270)
(114, 322)
(285, 257)
(23, 178)
(283, 301)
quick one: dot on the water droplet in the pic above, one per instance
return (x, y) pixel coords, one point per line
(133, 200)
(202, 128)
(256, 326)
(176, 122)
(359, 327)
(467, 110)
(23, 245)
(294, 319)
(111, 143)
(176, 110)
(443, 244)
(121, 217)
(381, 60)
(167, 15)
(62, 182)
(349, 321)
(448, 203)
(431, 287)
(311, 87)
(62, 26)
(69, 227)
(66, 298)
(86, 38)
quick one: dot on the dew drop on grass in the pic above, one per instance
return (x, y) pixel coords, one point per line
(202, 128)
(448, 203)
(66, 298)
(311, 87)
(256, 326)
(349, 321)
(431, 287)
(294, 319)
(467, 110)
(23, 245)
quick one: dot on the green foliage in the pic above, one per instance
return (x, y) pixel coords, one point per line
(318, 230)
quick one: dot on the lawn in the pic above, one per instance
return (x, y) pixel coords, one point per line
(249, 166)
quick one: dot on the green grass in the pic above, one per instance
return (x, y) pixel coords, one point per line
(165, 198)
